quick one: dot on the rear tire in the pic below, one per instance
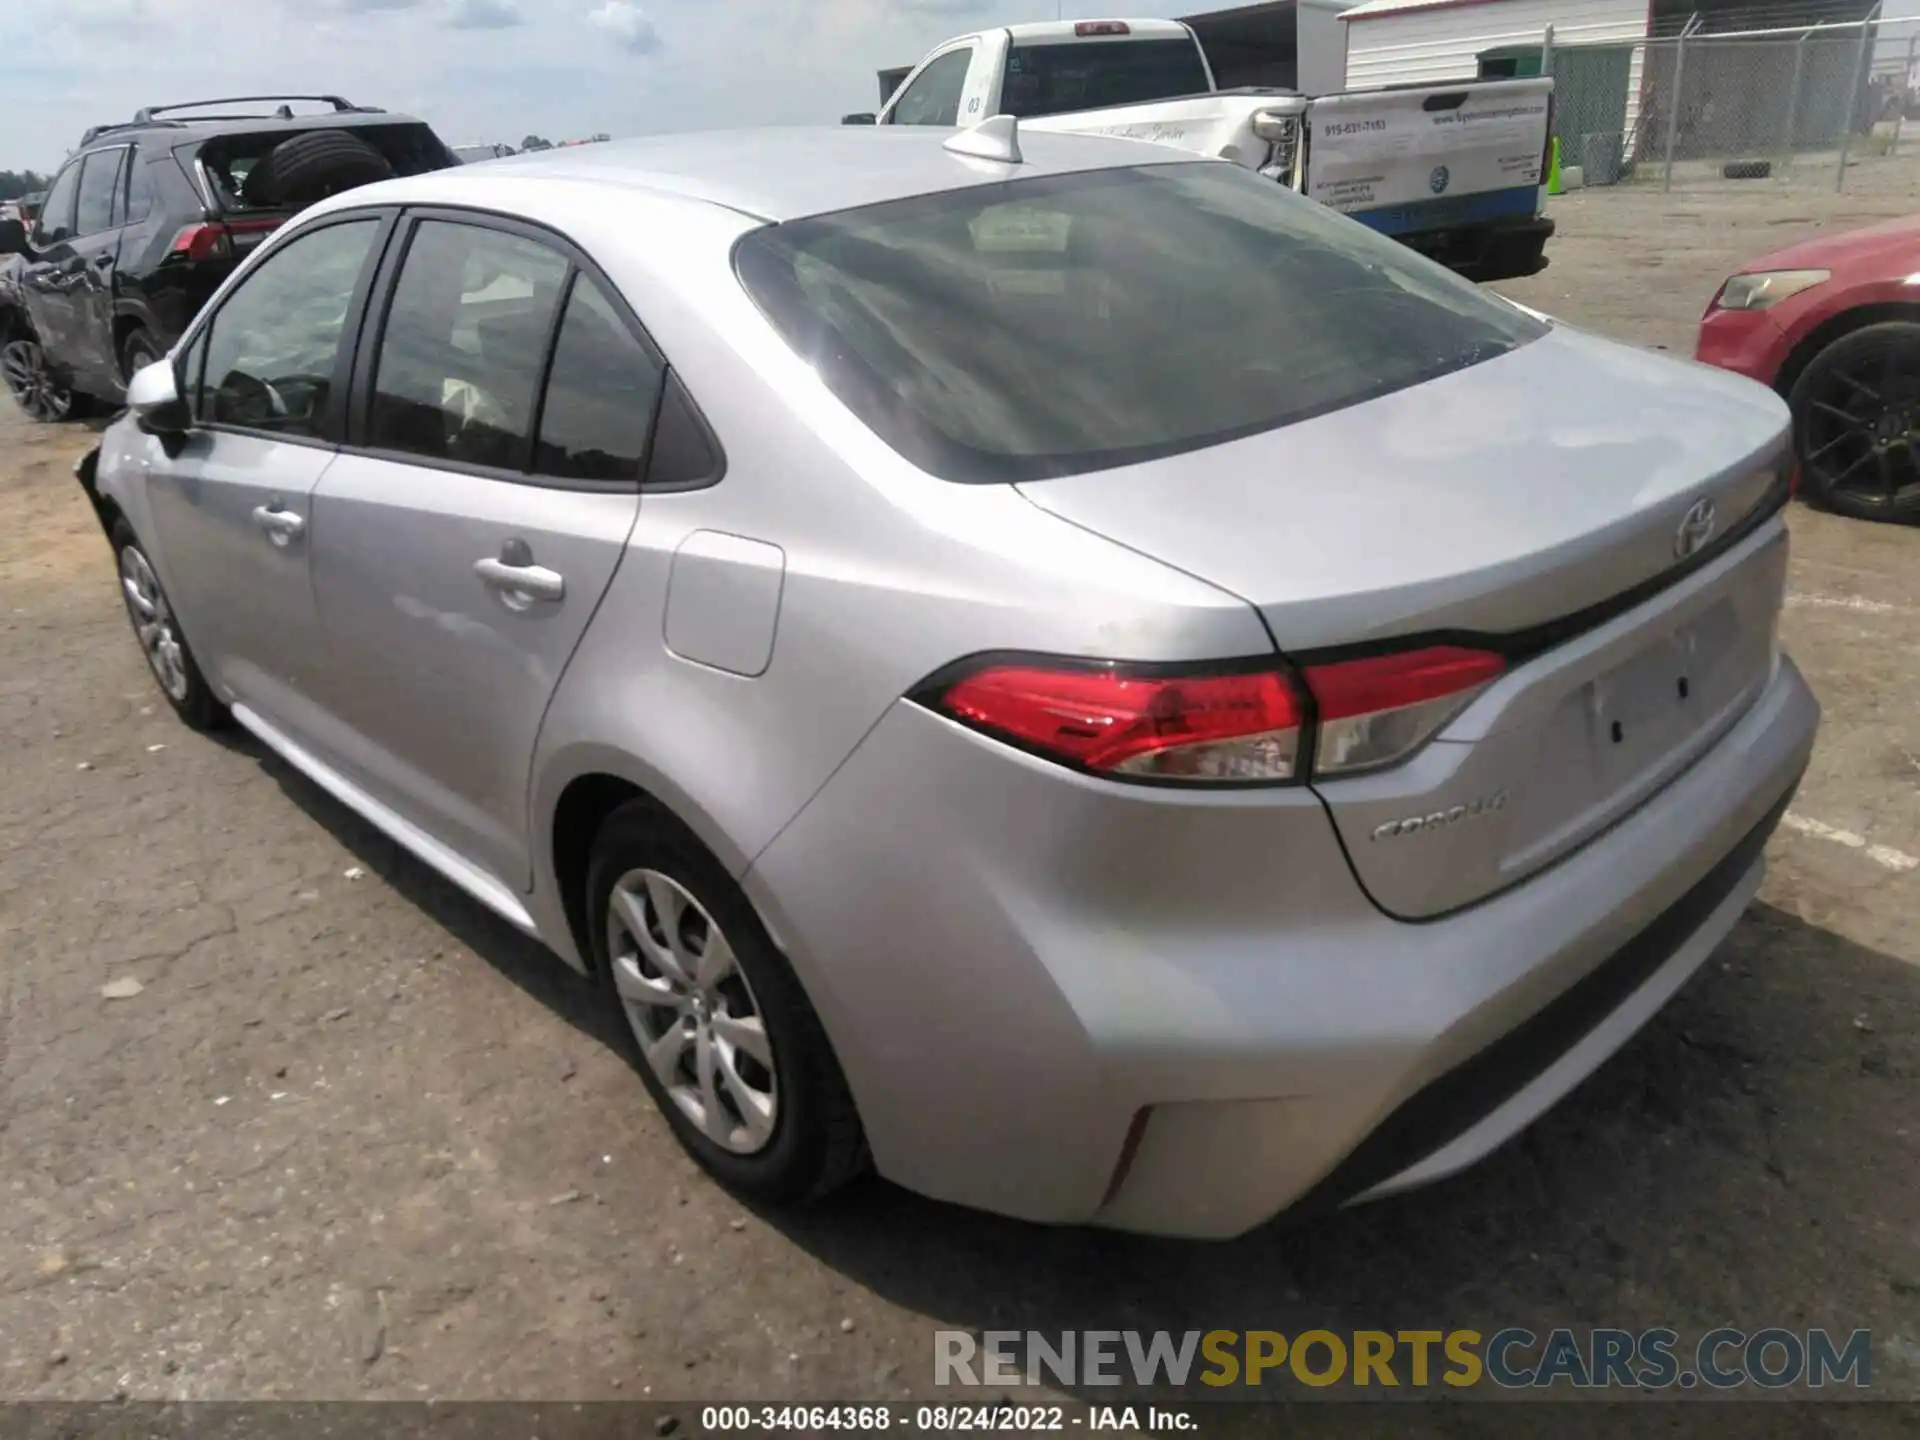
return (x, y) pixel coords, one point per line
(782, 1126)
(158, 630)
(137, 351)
(310, 167)
(1856, 424)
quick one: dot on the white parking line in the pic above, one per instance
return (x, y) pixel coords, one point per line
(1880, 854)
(1842, 602)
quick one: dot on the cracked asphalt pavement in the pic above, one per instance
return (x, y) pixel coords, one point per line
(350, 1137)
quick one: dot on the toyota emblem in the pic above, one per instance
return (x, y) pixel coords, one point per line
(1696, 529)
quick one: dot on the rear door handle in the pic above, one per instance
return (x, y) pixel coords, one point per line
(283, 527)
(520, 585)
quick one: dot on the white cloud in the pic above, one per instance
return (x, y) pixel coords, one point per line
(628, 24)
(483, 15)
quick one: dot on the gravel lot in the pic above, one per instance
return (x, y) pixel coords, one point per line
(356, 1139)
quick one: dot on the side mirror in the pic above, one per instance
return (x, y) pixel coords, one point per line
(153, 395)
(865, 117)
(13, 238)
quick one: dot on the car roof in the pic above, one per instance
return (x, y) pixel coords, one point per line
(785, 174)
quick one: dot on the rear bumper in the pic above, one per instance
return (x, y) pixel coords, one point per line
(1498, 235)
(1508, 250)
(1015, 963)
(1452, 1121)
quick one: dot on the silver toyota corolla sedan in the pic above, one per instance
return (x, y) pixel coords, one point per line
(1054, 668)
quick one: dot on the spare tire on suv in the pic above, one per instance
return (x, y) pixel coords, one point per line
(312, 166)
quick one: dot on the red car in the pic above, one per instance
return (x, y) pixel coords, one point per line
(1833, 324)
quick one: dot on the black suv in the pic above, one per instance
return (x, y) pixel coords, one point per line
(146, 219)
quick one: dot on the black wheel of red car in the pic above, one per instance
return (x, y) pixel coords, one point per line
(310, 167)
(138, 351)
(1856, 415)
(33, 386)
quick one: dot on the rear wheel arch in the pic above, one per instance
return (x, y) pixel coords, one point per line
(14, 323)
(584, 805)
(108, 512)
(1834, 328)
(126, 325)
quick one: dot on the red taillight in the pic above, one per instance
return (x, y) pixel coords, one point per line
(1102, 27)
(1248, 727)
(201, 242)
(1375, 711)
(1202, 727)
(214, 239)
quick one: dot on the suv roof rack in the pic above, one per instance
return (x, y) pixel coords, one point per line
(148, 115)
(94, 132)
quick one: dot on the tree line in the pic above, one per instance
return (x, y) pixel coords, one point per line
(15, 183)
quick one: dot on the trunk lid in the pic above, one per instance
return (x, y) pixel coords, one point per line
(1532, 503)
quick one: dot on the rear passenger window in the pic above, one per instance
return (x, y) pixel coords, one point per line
(139, 191)
(460, 357)
(934, 98)
(99, 183)
(600, 394)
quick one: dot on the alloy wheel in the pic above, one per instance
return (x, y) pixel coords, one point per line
(1862, 424)
(153, 622)
(701, 1029)
(23, 369)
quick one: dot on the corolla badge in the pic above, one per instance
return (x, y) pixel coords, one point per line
(1696, 529)
(1442, 819)
(1437, 181)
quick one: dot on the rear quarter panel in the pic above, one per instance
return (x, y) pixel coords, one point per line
(889, 574)
(1218, 126)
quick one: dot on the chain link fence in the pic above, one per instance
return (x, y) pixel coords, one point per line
(1806, 104)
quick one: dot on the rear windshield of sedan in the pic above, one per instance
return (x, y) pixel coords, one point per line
(1069, 323)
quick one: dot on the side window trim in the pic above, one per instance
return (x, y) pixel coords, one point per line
(373, 328)
(331, 427)
(122, 178)
(550, 351)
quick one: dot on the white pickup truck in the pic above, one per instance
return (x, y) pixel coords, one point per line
(1455, 170)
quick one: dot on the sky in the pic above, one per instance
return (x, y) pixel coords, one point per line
(479, 70)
